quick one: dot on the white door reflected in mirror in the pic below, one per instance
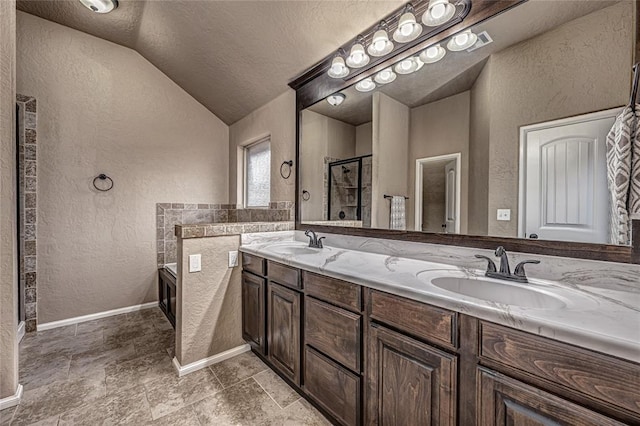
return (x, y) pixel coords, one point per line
(437, 207)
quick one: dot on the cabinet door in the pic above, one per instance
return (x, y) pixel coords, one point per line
(410, 383)
(283, 325)
(505, 401)
(253, 314)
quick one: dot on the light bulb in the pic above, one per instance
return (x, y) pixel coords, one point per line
(357, 58)
(462, 41)
(365, 85)
(338, 69)
(385, 76)
(407, 66)
(408, 29)
(100, 6)
(438, 12)
(432, 54)
(381, 44)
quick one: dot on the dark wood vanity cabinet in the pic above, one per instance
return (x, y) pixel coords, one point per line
(505, 401)
(283, 328)
(409, 382)
(253, 311)
(366, 357)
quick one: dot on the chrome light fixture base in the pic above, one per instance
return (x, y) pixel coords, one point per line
(336, 99)
(433, 54)
(365, 85)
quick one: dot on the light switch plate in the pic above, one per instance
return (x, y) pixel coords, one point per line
(233, 258)
(195, 263)
(504, 214)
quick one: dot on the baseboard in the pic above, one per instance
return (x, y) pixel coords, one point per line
(91, 317)
(203, 363)
(21, 330)
(13, 400)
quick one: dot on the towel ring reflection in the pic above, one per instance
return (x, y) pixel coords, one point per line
(103, 177)
(306, 195)
(287, 163)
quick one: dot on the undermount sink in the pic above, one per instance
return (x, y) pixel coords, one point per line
(293, 249)
(505, 293)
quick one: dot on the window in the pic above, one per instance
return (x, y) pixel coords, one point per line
(257, 173)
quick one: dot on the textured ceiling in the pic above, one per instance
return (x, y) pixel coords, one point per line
(457, 72)
(232, 56)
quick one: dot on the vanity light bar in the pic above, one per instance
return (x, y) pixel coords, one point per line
(404, 26)
(430, 55)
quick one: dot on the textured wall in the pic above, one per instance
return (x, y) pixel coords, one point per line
(8, 230)
(440, 128)
(478, 207)
(363, 139)
(321, 137)
(390, 148)
(568, 71)
(213, 321)
(278, 119)
(104, 108)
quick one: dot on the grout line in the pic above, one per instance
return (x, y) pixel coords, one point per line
(297, 400)
(265, 391)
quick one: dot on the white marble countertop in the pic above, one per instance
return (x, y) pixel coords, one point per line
(603, 320)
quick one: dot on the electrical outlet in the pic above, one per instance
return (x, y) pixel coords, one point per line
(233, 258)
(504, 215)
(195, 263)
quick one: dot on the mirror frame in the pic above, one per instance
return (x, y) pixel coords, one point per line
(315, 85)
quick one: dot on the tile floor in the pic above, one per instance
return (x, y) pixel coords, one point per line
(118, 371)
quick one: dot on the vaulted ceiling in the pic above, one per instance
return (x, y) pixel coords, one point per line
(232, 56)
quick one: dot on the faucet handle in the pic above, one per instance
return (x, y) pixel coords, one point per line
(320, 242)
(519, 271)
(491, 266)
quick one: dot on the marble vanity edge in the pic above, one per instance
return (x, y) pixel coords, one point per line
(205, 230)
(588, 339)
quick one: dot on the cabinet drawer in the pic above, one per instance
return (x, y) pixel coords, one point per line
(335, 388)
(253, 264)
(334, 332)
(339, 292)
(283, 275)
(596, 376)
(421, 320)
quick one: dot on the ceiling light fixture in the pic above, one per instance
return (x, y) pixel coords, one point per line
(380, 45)
(432, 54)
(336, 99)
(407, 66)
(438, 13)
(365, 85)
(408, 29)
(358, 58)
(385, 76)
(338, 68)
(100, 6)
(462, 41)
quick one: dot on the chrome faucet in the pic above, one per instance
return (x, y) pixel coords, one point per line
(314, 241)
(504, 273)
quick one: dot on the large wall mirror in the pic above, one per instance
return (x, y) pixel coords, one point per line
(503, 138)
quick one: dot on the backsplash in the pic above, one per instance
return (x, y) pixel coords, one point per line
(168, 215)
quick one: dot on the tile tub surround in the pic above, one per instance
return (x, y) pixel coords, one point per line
(168, 215)
(28, 181)
(603, 299)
